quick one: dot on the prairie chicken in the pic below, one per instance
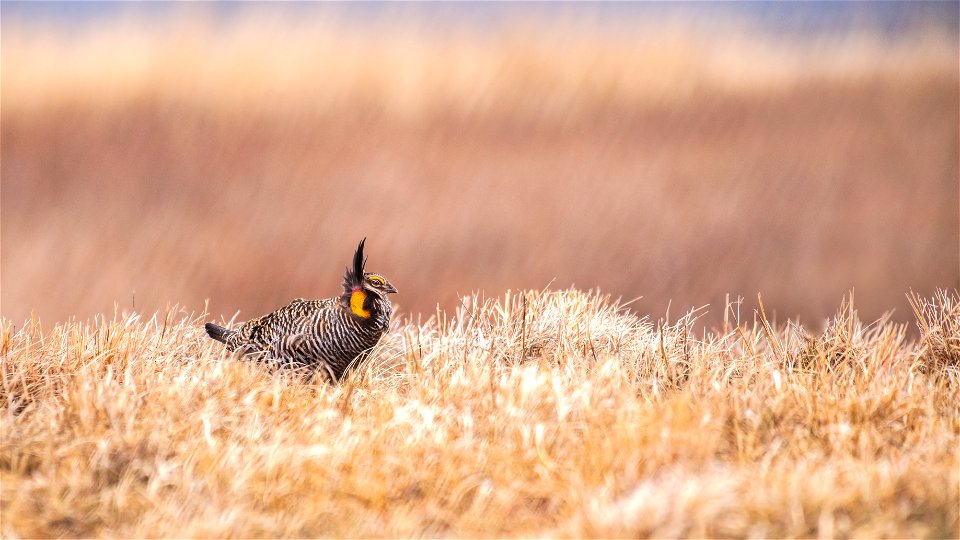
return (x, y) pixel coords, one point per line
(333, 334)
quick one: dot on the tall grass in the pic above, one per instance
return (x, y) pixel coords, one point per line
(239, 163)
(546, 413)
(262, 65)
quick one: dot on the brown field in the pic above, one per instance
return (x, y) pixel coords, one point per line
(146, 166)
(558, 414)
(230, 168)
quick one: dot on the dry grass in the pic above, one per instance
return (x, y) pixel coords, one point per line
(551, 413)
(240, 163)
(149, 164)
(415, 72)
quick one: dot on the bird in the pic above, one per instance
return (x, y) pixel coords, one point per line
(332, 335)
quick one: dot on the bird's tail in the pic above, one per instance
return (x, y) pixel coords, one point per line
(217, 332)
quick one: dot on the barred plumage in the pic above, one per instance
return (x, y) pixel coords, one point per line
(333, 334)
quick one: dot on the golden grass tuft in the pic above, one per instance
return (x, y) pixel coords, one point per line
(939, 320)
(546, 413)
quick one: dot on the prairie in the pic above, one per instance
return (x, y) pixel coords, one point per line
(535, 413)
(236, 165)
(158, 173)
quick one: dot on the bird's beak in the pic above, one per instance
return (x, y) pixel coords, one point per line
(391, 288)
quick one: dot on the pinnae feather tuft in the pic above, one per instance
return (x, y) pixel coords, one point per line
(359, 261)
(354, 276)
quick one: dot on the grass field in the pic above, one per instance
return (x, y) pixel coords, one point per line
(551, 413)
(170, 163)
(227, 166)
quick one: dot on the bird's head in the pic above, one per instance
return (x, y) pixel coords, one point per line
(364, 292)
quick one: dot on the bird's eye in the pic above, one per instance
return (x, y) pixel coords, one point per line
(376, 281)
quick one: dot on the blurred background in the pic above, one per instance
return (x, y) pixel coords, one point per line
(236, 153)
